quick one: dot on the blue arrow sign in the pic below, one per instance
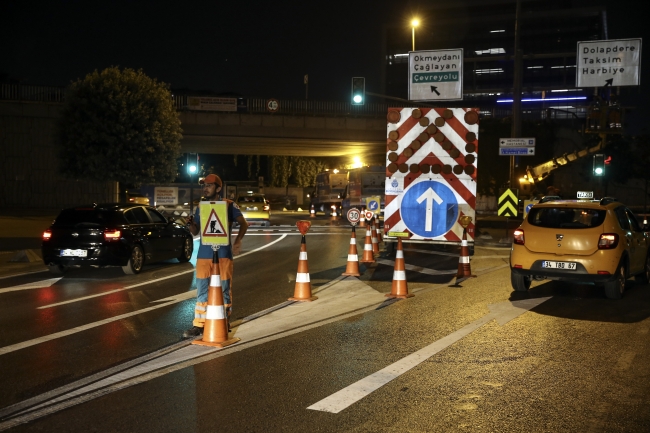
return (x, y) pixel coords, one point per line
(373, 205)
(429, 208)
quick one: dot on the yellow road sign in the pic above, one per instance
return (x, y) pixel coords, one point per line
(214, 222)
(508, 203)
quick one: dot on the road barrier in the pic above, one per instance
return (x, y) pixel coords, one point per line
(375, 243)
(464, 268)
(302, 289)
(352, 267)
(399, 288)
(368, 257)
(215, 330)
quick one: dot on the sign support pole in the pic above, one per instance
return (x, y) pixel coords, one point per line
(516, 94)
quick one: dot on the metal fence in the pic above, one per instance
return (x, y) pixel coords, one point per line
(21, 92)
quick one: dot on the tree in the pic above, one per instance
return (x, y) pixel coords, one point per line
(119, 125)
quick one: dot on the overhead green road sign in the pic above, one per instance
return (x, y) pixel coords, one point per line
(508, 203)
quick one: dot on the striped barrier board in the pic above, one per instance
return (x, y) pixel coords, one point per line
(431, 168)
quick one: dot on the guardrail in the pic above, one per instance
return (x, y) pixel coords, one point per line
(21, 92)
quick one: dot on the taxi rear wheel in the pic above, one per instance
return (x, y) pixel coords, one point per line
(644, 277)
(614, 289)
(521, 283)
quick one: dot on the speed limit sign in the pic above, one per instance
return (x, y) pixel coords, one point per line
(354, 215)
(369, 214)
(272, 105)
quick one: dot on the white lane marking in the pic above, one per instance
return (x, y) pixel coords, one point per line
(147, 282)
(116, 290)
(344, 398)
(419, 269)
(172, 300)
(34, 285)
(167, 301)
(260, 248)
(163, 366)
(24, 273)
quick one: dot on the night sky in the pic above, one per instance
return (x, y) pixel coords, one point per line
(250, 48)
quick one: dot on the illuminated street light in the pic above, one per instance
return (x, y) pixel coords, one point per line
(414, 23)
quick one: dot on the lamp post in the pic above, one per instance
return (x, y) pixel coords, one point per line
(414, 23)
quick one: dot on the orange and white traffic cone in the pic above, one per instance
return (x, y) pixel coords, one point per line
(375, 243)
(464, 269)
(215, 330)
(302, 289)
(352, 267)
(379, 237)
(312, 212)
(400, 288)
(368, 257)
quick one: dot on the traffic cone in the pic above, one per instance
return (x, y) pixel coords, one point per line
(375, 243)
(464, 269)
(379, 237)
(312, 212)
(215, 330)
(302, 289)
(352, 267)
(400, 288)
(368, 257)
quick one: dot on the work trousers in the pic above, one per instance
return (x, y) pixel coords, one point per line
(203, 283)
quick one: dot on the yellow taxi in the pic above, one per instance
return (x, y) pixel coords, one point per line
(584, 241)
(255, 208)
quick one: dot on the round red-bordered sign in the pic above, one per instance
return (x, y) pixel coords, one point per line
(272, 105)
(354, 215)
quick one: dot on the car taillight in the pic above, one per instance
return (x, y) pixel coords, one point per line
(131, 199)
(607, 241)
(47, 235)
(518, 237)
(112, 235)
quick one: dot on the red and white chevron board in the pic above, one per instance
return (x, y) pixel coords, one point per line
(437, 144)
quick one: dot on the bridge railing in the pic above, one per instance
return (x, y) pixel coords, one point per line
(21, 92)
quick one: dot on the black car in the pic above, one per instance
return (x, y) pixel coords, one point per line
(115, 234)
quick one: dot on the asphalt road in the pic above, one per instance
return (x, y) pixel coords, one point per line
(472, 356)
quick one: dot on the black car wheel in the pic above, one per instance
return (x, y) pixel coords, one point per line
(614, 289)
(521, 283)
(186, 253)
(136, 261)
(57, 269)
(644, 277)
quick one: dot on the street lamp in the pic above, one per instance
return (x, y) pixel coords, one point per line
(414, 23)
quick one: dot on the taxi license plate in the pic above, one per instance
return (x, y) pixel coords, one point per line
(569, 266)
(74, 253)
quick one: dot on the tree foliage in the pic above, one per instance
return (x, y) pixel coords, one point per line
(119, 125)
(297, 170)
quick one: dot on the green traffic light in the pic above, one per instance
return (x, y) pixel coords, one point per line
(357, 99)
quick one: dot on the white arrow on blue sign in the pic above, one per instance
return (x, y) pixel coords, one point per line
(429, 208)
(373, 205)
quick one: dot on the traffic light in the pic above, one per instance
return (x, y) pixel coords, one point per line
(358, 90)
(192, 163)
(599, 164)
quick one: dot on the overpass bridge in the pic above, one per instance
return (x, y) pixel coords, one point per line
(246, 126)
